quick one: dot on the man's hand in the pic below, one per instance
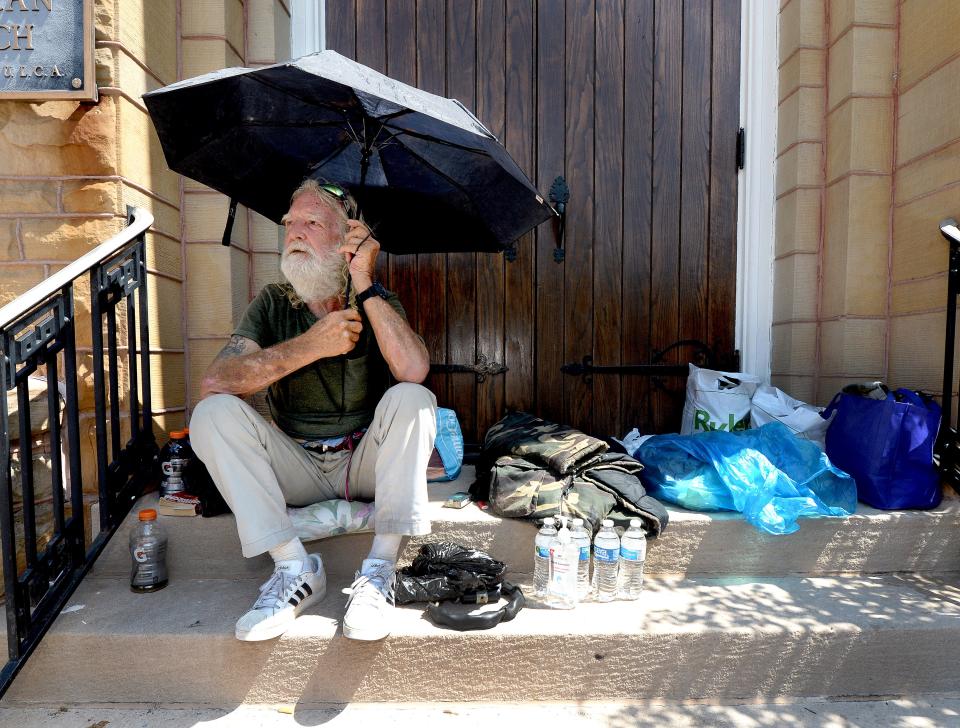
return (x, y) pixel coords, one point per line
(335, 334)
(363, 259)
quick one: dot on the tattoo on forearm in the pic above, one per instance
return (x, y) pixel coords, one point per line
(235, 347)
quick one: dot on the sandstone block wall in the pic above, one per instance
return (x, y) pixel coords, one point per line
(869, 144)
(72, 168)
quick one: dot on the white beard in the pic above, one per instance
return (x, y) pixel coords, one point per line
(313, 277)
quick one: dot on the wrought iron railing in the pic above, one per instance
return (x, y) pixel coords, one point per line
(38, 336)
(948, 442)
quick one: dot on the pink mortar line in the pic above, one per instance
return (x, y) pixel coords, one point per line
(851, 96)
(118, 45)
(932, 71)
(797, 50)
(204, 36)
(796, 89)
(922, 195)
(928, 153)
(849, 29)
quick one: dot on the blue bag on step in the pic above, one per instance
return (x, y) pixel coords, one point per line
(886, 444)
(447, 458)
(768, 474)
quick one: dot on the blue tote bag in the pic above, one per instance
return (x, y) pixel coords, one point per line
(887, 446)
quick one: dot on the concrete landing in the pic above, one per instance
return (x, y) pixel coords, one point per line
(705, 639)
(694, 544)
(911, 712)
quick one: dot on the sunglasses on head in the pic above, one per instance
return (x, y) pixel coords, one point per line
(340, 194)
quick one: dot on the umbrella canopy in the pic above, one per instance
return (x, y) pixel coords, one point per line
(426, 173)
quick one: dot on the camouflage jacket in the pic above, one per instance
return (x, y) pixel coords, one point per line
(531, 468)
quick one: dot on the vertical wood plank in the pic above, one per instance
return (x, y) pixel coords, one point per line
(519, 274)
(402, 65)
(462, 267)
(372, 51)
(491, 82)
(665, 228)
(551, 82)
(608, 214)
(695, 175)
(725, 93)
(578, 400)
(637, 210)
(372, 34)
(341, 17)
(432, 268)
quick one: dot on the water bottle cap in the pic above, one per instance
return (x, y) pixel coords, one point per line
(606, 523)
(549, 521)
(148, 514)
(577, 521)
(636, 523)
(177, 435)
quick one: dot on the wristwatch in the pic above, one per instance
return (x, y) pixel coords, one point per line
(375, 290)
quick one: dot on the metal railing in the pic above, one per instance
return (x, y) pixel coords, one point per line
(948, 442)
(38, 336)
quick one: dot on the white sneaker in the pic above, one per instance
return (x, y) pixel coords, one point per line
(370, 606)
(281, 599)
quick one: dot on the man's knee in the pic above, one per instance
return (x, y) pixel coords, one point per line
(410, 394)
(212, 412)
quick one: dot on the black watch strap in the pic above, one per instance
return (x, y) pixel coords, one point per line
(375, 290)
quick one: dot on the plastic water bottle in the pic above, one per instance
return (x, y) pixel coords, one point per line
(633, 552)
(606, 562)
(582, 539)
(564, 556)
(541, 556)
(148, 553)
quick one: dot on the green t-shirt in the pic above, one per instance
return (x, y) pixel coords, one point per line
(313, 402)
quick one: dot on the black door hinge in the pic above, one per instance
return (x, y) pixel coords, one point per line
(741, 147)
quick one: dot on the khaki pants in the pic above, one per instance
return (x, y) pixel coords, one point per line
(259, 469)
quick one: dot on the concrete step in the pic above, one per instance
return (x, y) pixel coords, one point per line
(749, 638)
(918, 711)
(694, 544)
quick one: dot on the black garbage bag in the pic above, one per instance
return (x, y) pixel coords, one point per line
(444, 571)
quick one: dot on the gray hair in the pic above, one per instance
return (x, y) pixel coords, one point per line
(313, 186)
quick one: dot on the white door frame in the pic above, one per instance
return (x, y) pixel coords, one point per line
(307, 27)
(756, 198)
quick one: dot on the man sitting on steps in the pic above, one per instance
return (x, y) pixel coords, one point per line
(337, 434)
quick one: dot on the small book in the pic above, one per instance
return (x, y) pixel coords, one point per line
(458, 500)
(179, 504)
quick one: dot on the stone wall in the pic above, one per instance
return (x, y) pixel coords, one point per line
(72, 168)
(221, 281)
(868, 144)
(926, 188)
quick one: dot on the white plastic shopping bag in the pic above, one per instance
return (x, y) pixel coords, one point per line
(717, 401)
(774, 405)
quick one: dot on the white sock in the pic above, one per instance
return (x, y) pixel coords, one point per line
(386, 547)
(290, 556)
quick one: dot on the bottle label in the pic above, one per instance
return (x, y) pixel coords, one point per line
(629, 554)
(149, 564)
(543, 552)
(602, 554)
(584, 553)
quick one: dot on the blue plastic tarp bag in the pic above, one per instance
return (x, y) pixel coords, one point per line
(887, 446)
(448, 445)
(768, 474)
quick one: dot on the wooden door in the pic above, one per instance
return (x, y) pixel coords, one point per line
(635, 103)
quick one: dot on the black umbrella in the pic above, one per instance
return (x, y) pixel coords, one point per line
(428, 176)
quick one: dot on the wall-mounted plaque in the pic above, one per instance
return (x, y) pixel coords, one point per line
(46, 50)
